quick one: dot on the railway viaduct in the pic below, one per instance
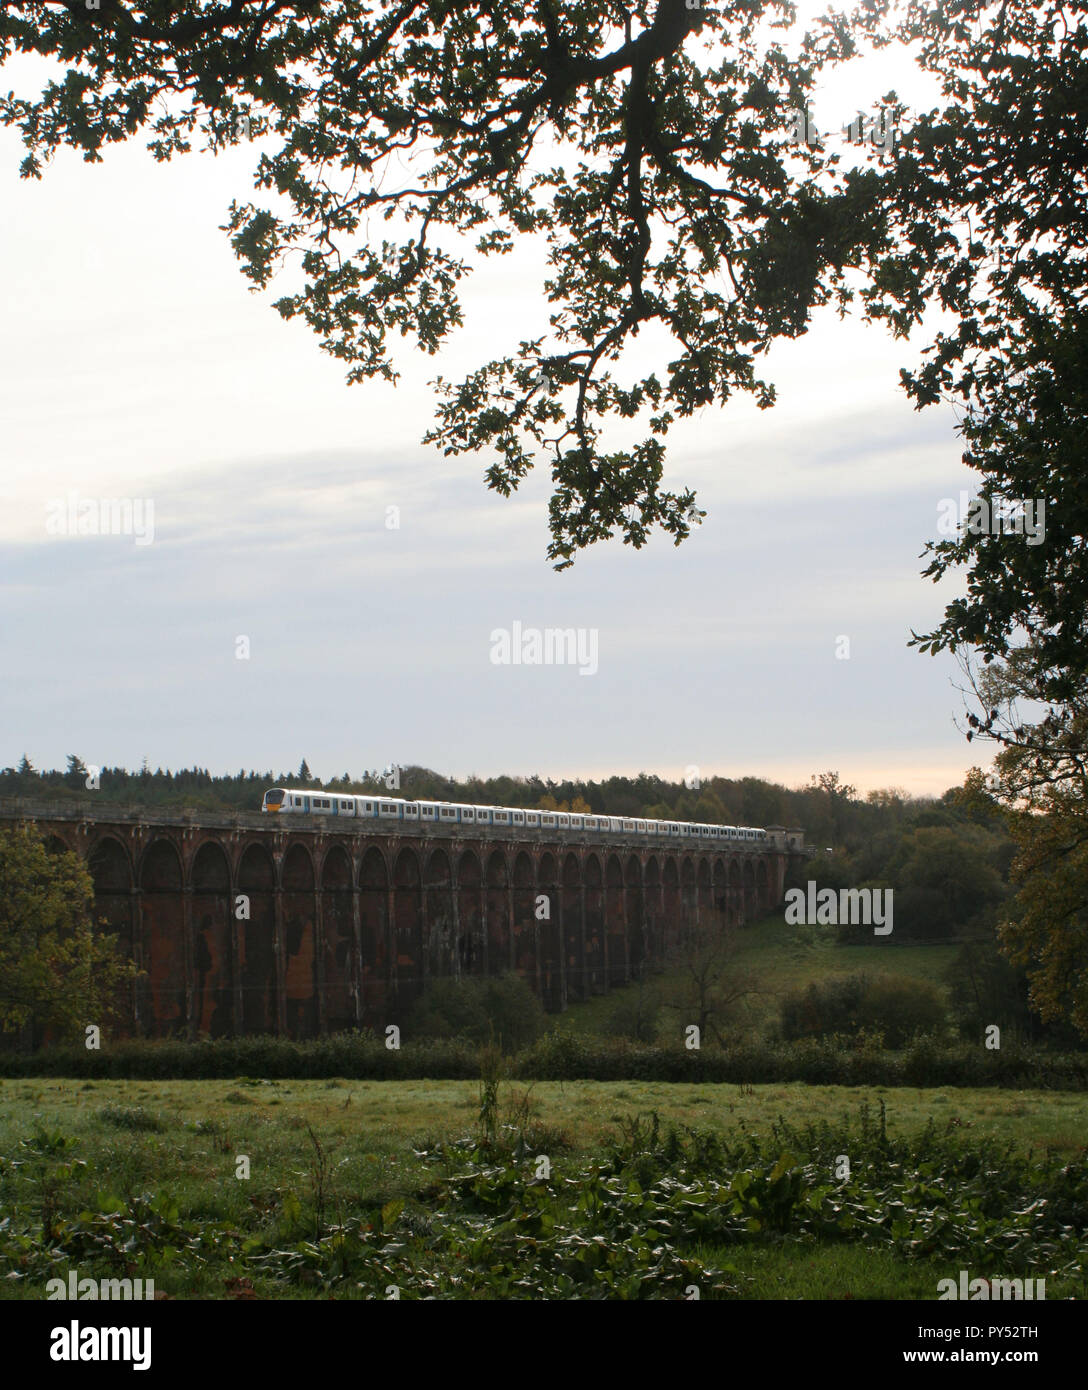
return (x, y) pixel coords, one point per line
(249, 923)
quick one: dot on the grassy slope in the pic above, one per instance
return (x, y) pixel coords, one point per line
(772, 949)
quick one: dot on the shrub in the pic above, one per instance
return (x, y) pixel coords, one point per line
(513, 1011)
(130, 1117)
(831, 1006)
(901, 1008)
(503, 1007)
(894, 1005)
(449, 1009)
(634, 1017)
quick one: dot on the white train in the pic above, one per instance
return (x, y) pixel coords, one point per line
(449, 813)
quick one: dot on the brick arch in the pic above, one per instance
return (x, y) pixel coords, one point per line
(407, 932)
(549, 925)
(671, 906)
(114, 879)
(735, 893)
(439, 913)
(213, 940)
(720, 892)
(633, 916)
(524, 927)
(163, 998)
(704, 896)
(615, 922)
(763, 887)
(299, 907)
(375, 956)
(593, 906)
(497, 937)
(469, 955)
(653, 893)
(110, 867)
(689, 902)
(748, 878)
(573, 927)
(338, 949)
(256, 938)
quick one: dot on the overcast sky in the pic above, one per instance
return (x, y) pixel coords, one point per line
(135, 363)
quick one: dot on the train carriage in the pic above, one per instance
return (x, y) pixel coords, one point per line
(445, 815)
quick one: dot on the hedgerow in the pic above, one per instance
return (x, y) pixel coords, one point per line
(560, 1055)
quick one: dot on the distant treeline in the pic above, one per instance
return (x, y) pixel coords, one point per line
(827, 810)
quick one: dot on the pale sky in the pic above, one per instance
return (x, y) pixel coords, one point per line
(137, 364)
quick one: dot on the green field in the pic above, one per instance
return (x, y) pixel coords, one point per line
(102, 1147)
